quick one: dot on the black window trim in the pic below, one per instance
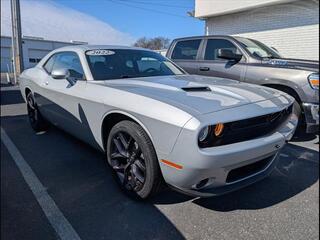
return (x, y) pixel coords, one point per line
(199, 52)
(203, 51)
(56, 53)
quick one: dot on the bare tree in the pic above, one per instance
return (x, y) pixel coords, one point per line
(156, 43)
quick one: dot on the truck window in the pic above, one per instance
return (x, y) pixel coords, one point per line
(213, 45)
(186, 49)
(257, 49)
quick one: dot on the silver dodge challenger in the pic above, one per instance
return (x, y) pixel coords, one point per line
(156, 124)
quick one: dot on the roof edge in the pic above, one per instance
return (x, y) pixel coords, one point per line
(243, 9)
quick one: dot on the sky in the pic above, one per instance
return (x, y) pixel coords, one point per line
(119, 22)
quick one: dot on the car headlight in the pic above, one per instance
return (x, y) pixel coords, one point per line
(209, 134)
(313, 79)
(203, 134)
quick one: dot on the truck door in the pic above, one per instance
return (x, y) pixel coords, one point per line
(211, 65)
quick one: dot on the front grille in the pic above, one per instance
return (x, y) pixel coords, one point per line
(250, 169)
(251, 128)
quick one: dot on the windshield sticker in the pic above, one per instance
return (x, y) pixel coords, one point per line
(99, 52)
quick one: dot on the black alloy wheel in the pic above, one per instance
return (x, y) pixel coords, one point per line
(128, 161)
(36, 120)
(32, 110)
(133, 160)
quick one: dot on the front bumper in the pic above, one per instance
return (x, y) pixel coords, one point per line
(311, 113)
(214, 165)
(206, 172)
(230, 187)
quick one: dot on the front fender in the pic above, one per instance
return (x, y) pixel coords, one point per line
(162, 133)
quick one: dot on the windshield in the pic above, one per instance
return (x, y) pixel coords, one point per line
(258, 49)
(106, 64)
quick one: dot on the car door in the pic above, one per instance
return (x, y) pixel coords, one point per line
(211, 65)
(41, 93)
(62, 99)
(185, 54)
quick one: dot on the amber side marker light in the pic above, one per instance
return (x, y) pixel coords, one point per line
(171, 164)
(218, 129)
(314, 82)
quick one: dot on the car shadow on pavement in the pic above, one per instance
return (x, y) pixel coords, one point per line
(297, 170)
(77, 179)
(301, 135)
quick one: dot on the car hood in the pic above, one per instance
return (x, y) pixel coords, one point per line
(196, 94)
(299, 64)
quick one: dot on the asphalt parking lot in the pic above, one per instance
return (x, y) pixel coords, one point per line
(283, 206)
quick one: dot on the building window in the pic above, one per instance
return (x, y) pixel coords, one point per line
(34, 60)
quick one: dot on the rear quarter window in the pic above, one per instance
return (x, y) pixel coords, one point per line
(187, 49)
(70, 61)
(49, 64)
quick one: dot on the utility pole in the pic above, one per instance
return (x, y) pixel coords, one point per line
(16, 39)
(13, 48)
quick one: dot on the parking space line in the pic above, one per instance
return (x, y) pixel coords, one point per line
(56, 218)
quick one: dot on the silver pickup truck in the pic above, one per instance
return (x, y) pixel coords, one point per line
(251, 61)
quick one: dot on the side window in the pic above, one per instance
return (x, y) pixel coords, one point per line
(213, 45)
(186, 49)
(49, 64)
(70, 61)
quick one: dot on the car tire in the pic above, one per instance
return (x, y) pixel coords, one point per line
(37, 122)
(133, 160)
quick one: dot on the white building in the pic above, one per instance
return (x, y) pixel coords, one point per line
(291, 26)
(33, 50)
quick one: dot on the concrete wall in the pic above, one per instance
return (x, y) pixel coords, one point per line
(292, 28)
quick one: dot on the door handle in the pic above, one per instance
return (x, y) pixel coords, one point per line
(204, 69)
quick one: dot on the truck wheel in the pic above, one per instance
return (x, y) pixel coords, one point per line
(297, 104)
(302, 120)
(133, 160)
(37, 122)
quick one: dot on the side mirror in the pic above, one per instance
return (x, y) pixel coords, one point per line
(228, 54)
(61, 73)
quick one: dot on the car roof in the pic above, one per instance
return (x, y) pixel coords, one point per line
(86, 47)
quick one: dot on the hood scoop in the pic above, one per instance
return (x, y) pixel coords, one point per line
(196, 89)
